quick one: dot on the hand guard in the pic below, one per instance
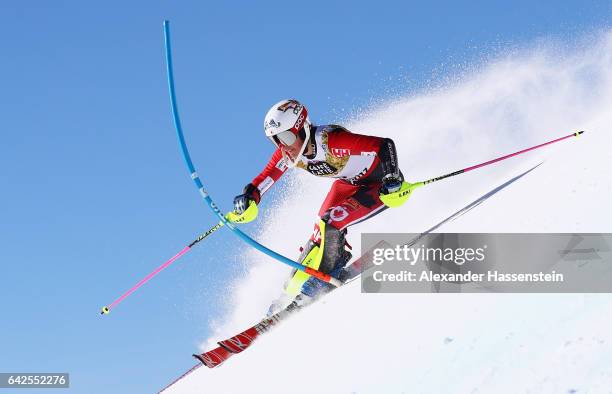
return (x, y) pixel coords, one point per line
(393, 196)
(245, 205)
(247, 215)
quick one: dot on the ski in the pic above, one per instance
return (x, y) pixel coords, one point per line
(240, 342)
(243, 340)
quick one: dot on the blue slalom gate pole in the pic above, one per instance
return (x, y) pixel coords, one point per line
(200, 186)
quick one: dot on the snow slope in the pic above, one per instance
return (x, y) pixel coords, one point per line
(459, 343)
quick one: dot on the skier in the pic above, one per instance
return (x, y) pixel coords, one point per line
(368, 180)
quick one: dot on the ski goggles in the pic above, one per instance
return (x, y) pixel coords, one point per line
(285, 138)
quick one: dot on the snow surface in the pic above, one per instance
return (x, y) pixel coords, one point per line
(450, 343)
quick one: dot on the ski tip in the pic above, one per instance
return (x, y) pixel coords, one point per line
(205, 361)
(105, 310)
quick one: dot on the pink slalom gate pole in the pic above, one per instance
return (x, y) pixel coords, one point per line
(106, 309)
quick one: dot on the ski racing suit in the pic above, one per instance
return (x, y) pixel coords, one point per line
(359, 163)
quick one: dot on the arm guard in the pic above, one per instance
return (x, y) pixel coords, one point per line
(388, 160)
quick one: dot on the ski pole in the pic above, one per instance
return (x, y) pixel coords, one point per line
(198, 183)
(106, 310)
(413, 186)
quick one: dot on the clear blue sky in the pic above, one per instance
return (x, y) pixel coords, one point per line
(94, 190)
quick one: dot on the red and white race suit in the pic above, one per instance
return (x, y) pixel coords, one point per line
(357, 162)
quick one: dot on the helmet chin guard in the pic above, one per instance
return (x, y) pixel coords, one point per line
(293, 163)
